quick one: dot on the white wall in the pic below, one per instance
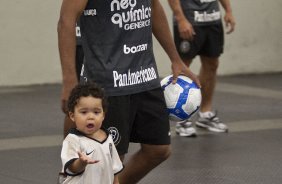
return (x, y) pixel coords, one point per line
(28, 42)
(29, 52)
(256, 44)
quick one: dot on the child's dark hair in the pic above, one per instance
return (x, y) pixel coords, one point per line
(85, 90)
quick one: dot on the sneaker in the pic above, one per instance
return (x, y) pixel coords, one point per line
(211, 123)
(185, 129)
(61, 178)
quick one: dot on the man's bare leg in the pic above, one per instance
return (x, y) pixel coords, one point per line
(207, 78)
(143, 161)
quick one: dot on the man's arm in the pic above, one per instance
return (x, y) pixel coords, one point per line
(185, 28)
(228, 18)
(162, 33)
(70, 11)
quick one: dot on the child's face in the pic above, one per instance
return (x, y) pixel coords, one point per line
(88, 115)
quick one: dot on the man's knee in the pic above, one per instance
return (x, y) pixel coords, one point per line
(163, 152)
(157, 153)
(210, 64)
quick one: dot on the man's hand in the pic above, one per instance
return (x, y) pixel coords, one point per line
(68, 84)
(179, 68)
(185, 29)
(229, 22)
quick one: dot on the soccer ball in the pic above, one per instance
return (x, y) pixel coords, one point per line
(183, 98)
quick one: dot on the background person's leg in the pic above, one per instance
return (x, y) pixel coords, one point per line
(185, 128)
(207, 118)
(207, 78)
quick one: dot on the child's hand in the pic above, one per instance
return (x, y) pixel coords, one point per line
(85, 159)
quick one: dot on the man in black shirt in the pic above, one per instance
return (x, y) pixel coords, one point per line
(118, 49)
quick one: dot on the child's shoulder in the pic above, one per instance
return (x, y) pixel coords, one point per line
(73, 135)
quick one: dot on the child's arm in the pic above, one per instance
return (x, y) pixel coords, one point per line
(116, 179)
(79, 164)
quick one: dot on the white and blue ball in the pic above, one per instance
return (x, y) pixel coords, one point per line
(183, 98)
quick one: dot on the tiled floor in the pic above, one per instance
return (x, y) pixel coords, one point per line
(251, 153)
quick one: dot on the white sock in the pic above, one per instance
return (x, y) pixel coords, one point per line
(207, 114)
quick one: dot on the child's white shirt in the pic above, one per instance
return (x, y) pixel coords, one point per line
(99, 173)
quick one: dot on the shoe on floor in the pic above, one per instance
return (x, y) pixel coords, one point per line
(185, 129)
(211, 123)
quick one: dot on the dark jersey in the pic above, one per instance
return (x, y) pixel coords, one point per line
(78, 33)
(201, 12)
(117, 42)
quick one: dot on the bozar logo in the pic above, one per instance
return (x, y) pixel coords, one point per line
(128, 17)
(134, 49)
(115, 134)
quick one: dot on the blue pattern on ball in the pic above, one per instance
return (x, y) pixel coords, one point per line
(177, 110)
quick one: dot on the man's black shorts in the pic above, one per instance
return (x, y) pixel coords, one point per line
(208, 41)
(140, 118)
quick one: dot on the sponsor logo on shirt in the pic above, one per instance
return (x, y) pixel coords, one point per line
(77, 31)
(206, 17)
(89, 152)
(90, 12)
(134, 49)
(207, 1)
(132, 78)
(128, 17)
